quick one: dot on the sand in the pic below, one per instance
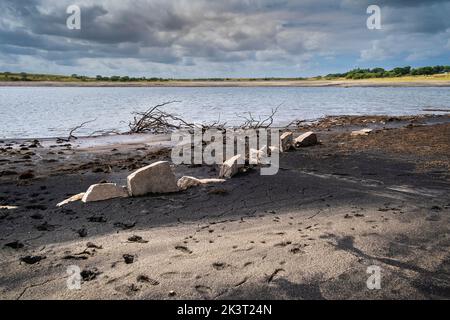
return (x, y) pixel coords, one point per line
(382, 82)
(309, 232)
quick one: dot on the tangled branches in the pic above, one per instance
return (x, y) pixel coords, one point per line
(251, 123)
(155, 120)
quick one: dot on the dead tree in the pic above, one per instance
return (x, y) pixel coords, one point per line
(155, 120)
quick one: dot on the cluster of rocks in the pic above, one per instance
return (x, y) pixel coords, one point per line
(305, 140)
(159, 178)
(155, 178)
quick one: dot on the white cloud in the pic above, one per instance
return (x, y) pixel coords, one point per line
(172, 38)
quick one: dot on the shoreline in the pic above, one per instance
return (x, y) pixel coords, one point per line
(233, 84)
(127, 138)
(308, 232)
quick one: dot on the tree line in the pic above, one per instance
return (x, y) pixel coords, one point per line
(352, 74)
(382, 73)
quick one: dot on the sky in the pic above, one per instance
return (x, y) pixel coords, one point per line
(220, 38)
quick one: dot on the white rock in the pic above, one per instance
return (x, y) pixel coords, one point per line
(187, 182)
(363, 132)
(104, 191)
(74, 198)
(155, 178)
(230, 167)
(286, 141)
(258, 156)
(306, 140)
(273, 149)
(8, 207)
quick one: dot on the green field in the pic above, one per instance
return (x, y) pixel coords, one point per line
(400, 74)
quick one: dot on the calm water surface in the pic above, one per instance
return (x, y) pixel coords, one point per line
(37, 112)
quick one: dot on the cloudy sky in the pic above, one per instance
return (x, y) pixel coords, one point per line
(220, 38)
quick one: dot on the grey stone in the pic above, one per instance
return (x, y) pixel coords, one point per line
(306, 140)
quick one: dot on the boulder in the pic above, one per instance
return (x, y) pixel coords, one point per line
(187, 182)
(363, 132)
(286, 141)
(155, 178)
(74, 198)
(258, 156)
(306, 140)
(8, 207)
(104, 191)
(273, 149)
(230, 167)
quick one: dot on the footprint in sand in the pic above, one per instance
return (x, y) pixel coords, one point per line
(168, 275)
(274, 274)
(283, 244)
(204, 290)
(220, 265)
(240, 283)
(128, 289)
(137, 239)
(183, 249)
(145, 279)
(295, 250)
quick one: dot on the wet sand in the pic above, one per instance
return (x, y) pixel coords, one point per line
(309, 232)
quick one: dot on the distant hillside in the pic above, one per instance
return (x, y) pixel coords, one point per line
(382, 73)
(353, 74)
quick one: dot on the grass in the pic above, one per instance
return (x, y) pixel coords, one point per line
(13, 77)
(435, 77)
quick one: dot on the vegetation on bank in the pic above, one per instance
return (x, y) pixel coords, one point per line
(375, 73)
(382, 73)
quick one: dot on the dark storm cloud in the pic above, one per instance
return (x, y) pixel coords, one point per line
(174, 37)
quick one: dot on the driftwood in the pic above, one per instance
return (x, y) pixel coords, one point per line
(296, 123)
(73, 130)
(155, 120)
(250, 122)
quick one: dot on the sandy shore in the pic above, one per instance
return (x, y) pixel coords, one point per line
(309, 232)
(432, 82)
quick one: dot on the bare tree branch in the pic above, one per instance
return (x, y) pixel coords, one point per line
(251, 123)
(155, 120)
(72, 131)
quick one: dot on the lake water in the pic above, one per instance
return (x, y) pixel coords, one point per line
(40, 112)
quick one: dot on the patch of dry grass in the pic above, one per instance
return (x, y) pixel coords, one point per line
(427, 146)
